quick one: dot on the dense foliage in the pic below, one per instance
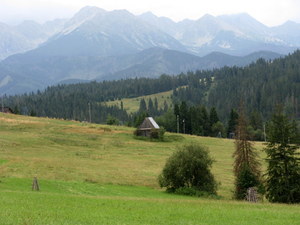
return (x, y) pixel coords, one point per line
(189, 167)
(72, 101)
(283, 173)
(261, 85)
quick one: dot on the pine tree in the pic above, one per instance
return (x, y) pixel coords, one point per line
(143, 106)
(151, 107)
(246, 166)
(155, 104)
(213, 118)
(232, 122)
(283, 173)
(166, 107)
(183, 117)
(205, 119)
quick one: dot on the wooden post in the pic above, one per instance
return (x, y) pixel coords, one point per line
(252, 195)
(35, 184)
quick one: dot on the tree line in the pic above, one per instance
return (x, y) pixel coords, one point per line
(262, 85)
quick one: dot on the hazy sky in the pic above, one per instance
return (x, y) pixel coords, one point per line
(269, 12)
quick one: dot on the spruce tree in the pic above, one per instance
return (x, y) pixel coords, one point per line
(213, 119)
(150, 107)
(213, 116)
(232, 122)
(205, 119)
(143, 106)
(246, 166)
(283, 173)
(155, 104)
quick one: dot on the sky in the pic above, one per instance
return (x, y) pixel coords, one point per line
(269, 12)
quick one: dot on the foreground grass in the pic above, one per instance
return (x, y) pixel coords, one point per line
(96, 174)
(61, 202)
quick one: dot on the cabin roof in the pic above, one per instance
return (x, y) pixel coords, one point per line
(148, 123)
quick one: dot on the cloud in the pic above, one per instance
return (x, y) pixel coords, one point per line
(269, 12)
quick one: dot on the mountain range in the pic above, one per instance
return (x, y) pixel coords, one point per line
(96, 44)
(26, 36)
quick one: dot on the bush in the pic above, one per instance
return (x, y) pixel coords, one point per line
(189, 167)
(112, 120)
(154, 134)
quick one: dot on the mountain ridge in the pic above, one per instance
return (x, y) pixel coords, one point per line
(99, 44)
(29, 74)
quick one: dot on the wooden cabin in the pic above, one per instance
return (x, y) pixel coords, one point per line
(5, 109)
(147, 126)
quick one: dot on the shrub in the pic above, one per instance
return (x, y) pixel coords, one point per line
(189, 167)
(154, 134)
(161, 133)
(112, 120)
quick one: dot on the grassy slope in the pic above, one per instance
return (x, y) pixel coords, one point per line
(81, 167)
(131, 105)
(64, 150)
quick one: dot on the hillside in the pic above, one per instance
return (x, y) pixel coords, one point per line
(66, 150)
(131, 105)
(35, 70)
(91, 174)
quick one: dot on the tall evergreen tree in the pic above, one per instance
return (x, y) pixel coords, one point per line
(232, 122)
(283, 173)
(143, 106)
(155, 104)
(205, 119)
(183, 117)
(151, 107)
(166, 107)
(213, 118)
(196, 120)
(246, 166)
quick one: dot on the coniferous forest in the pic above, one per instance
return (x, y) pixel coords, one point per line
(203, 102)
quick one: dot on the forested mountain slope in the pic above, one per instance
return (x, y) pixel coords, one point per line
(261, 85)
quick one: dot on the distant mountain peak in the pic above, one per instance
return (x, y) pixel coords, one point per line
(148, 13)
(122, 13)
(208, 17)
(87, 12)
(90, 9)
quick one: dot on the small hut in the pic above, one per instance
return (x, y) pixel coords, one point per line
(5, 109)
(147, 126)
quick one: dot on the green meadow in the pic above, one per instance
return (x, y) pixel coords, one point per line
(98, 174)
(131, 105)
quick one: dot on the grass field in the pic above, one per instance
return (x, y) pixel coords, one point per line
(61, 202)
(131, 105)
(98, 174)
